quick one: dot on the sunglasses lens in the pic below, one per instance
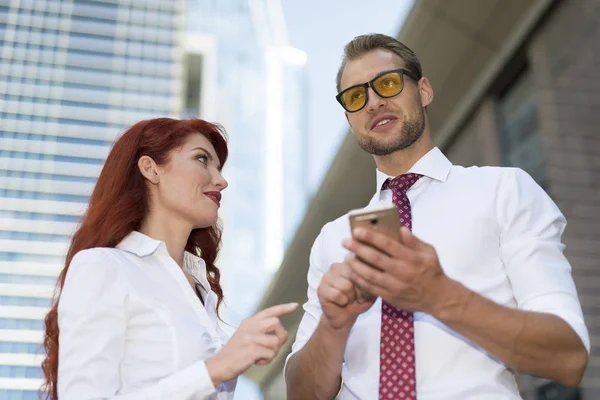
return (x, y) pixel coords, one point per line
(388, 85)
(354, 98)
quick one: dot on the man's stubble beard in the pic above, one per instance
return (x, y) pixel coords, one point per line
(410, 132)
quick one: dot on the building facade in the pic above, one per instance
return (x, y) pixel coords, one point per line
(73, 75)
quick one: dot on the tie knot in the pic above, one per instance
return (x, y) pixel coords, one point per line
(401, 182)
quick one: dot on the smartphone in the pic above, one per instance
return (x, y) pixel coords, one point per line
(382, 219)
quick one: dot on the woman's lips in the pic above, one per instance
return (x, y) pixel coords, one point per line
(214, 196)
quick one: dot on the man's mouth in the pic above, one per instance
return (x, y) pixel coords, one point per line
(383, 121)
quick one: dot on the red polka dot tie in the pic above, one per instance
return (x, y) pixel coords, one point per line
(397, 378)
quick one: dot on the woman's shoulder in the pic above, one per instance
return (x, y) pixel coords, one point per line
(109, 256)
(110, 259)
(93, 274)
(105, 263)
(92, 255)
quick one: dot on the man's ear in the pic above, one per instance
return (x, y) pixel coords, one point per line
(426, 92)
(149, 169)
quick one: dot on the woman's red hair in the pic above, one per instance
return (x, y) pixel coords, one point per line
(120, 202)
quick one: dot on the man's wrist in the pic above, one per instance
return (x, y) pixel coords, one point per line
(341, 331)
(453, 301)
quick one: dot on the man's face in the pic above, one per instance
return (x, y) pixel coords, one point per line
(385, 125)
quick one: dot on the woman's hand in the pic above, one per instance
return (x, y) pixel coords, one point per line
(256, 341)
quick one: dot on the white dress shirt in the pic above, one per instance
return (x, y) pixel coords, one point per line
(495, 231)
(132, 327)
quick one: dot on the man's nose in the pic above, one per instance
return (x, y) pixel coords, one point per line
(375, 101)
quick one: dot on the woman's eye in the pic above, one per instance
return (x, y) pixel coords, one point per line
(203, 159)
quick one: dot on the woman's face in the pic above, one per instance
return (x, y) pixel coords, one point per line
(188, 188)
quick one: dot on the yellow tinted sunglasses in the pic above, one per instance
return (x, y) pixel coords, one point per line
(387, 84)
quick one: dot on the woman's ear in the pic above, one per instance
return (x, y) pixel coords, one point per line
(149, 169)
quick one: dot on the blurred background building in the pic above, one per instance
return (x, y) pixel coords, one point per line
(75, 73)
(257, 91)
(253, 82)
(515, 84)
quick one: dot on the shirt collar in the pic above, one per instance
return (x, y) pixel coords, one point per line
(139, 244)
(433, 165)
(142, 246)
(196, 266)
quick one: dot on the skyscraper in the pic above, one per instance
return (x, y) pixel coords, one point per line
(73, 75)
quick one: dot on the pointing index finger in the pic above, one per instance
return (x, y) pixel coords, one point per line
(276, 311)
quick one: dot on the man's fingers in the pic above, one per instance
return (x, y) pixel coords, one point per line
(341, 282)
(367, 274)
(380, 250)
(362, 295)
(338, 270)
(411, 241)
(334, 295)
(379, 240)
(370, 255)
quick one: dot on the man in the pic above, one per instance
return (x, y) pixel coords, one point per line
(480, 290)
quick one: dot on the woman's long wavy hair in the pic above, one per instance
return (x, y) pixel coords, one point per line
(119, 204)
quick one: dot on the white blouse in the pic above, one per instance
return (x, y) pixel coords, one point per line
(132, 327)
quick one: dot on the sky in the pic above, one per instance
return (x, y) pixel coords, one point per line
(321, 28)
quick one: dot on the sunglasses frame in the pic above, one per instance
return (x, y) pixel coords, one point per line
(366, 85)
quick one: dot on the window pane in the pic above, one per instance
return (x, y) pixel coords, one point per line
(519, 127)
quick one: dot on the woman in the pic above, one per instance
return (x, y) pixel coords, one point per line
(136, 317)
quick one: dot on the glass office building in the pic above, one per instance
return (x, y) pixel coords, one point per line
(73, 75)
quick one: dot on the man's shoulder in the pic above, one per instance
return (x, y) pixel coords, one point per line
(482, 175)
(336, 227)
(483, 171)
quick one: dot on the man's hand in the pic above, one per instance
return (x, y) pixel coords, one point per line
(407, 271)
(340, 298)
(315, 371)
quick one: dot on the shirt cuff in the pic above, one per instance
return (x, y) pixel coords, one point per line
(576, 323)
(566, 308)
(198, 379)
